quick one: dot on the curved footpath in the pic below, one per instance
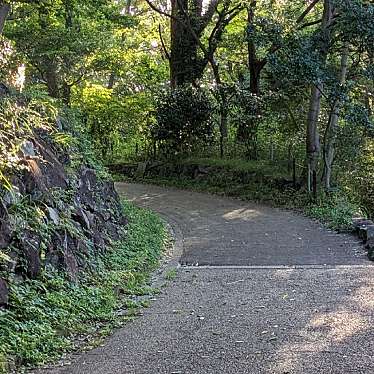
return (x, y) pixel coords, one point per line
(260, 290)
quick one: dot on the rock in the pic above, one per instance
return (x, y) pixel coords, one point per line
(94, 210)
(67, 253)
(361, 222)
(370, 244)
(3, 210)
(53, 215)
(113, 231)
(5, 231)
(27, 149)
(13, 196)
(4, 90)
(52, 169)
(141, 170)
(81, 217)
(30, 245)
(368, 233)
(60, 123)
(4, 293)
(70, 264)
(33, 178)
(371, 252)
(87, 186)
(5, 234)
(87, 180)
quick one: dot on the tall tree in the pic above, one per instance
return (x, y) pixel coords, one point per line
(332, 125)
(313, 145)
(189, 19)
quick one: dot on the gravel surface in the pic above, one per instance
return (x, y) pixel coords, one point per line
(276, 294)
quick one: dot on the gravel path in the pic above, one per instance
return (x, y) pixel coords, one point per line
(273, 293)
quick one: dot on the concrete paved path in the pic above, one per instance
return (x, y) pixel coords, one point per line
(273, 293)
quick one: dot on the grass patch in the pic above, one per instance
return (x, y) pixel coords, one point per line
(51, 315)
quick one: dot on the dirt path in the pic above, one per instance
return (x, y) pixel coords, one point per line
(273, 293)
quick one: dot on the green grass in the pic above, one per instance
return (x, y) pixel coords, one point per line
(51, 315)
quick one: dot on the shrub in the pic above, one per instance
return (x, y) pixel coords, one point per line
(183, 118)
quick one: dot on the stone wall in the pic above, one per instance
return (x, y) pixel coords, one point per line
(365, 231)
(53, 213)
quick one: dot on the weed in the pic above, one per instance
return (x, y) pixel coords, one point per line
(45, 315)
(171, 274)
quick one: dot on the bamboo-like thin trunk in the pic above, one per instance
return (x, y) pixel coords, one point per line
(312, 133)
(332, 126)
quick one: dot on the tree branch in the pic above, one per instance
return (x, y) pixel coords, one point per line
(209, 13)
(162, 42)
(307, 24)
(158, 10)
(307, 11)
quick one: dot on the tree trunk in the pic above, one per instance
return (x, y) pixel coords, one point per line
(312, 135)
(247, 132)
(4, 11)
(223, 132)
(185, 65)
(68, 14)
(66, 93)
(332, 126)
(51, 80)
(111, 81)
(223, 107)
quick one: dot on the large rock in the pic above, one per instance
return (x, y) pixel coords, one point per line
(4, 292)
(370, 247)
(5, 230)
(30, 246)
(67, 253)
(79, 214)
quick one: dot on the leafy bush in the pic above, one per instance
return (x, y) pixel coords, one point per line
(183, 118)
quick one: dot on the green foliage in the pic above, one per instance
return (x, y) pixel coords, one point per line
(359, 182)
(183, 118)
(335, 209)
(59, 39)
(111, 122)
(239, 165)
(18, 120)
(46, 316)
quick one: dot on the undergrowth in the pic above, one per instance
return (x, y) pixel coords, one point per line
(249, 166)
(52, 315)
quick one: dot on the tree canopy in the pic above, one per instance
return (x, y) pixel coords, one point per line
(219, 78)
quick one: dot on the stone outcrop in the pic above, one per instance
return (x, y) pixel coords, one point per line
(365, 230)
(54, 214)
